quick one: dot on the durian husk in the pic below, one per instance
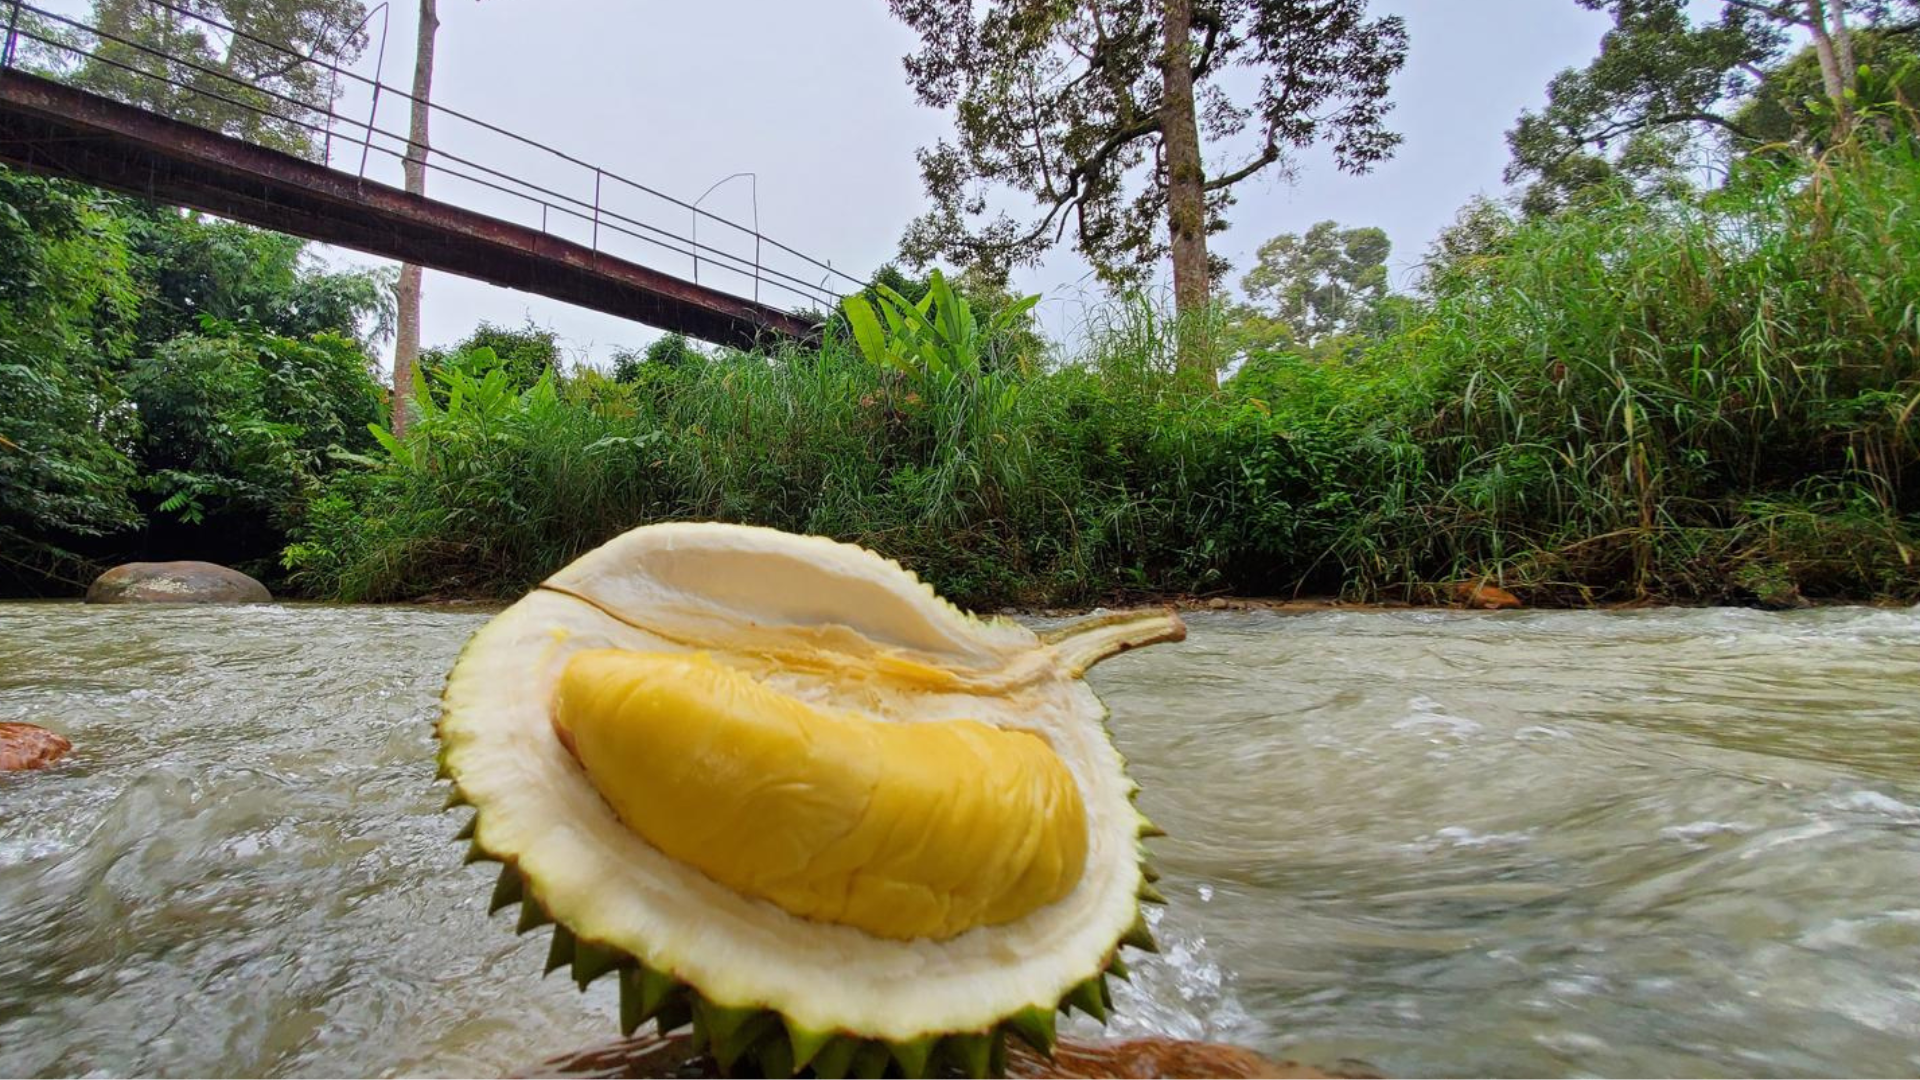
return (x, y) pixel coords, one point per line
(759, 990)
(652, 1055)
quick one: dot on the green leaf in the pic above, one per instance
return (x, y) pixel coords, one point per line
(866, 329)
(387, 440)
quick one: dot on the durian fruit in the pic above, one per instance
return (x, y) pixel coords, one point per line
(785, 794)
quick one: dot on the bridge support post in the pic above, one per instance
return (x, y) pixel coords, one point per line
(13, 34)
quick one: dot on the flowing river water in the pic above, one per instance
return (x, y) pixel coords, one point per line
(1660, 842)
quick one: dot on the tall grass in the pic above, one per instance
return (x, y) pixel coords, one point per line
(1700, 401)
(1633, 400)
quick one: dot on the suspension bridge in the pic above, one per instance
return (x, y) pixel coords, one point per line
(581, 234)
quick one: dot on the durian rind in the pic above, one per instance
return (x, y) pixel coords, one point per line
(832, 624)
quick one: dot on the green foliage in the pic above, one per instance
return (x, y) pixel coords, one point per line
(197, 268)
(1790, 105)
(67, 302)
(1322, 283)
(129, 414)
(1666, 88)
(1712, 401)
(935, 340)
(237, 425)
(1065, 104)
(181, 67)
(523, 356)
(492, 484)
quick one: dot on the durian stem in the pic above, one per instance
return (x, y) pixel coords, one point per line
(1089, 641)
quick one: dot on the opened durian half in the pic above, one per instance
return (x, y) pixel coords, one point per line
(789, 796)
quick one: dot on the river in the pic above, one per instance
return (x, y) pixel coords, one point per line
(1655, 842)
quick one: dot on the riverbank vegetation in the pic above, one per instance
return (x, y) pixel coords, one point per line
(1622, 385)
(1704, 399)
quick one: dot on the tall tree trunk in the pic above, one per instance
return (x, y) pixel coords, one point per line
(1186, 183)
(1843, 45)
(1831, 76)
(406, 345)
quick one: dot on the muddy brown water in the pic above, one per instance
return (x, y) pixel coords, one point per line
(1650, 843)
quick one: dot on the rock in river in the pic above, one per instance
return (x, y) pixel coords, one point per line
(24, 746)
(175, 583)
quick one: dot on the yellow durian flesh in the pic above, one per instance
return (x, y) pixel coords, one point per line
(902, 830)
(844, 631)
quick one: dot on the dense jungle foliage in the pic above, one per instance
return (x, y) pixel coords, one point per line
(168, 384)
(1700, 397)
(1708, 398)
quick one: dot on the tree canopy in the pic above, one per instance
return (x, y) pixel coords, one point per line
(1322, 282)
(164, 59)
(1096, 110)
(1666, 86)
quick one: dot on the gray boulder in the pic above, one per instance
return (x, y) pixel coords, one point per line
(175, 583)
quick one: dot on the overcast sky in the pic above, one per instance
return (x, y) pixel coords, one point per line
(812, 99)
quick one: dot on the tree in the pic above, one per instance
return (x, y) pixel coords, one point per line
(1662, 82)
(236, 428)
(1324, 282)
(406, 346)
(172, 63)
(1480, 232)
(524, 354)
(1789, 104)
(194, 267)
(1096, 109)
(66, 307)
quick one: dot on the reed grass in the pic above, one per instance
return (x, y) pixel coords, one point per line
(1698, 401)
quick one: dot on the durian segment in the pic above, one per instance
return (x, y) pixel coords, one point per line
(901, 830)
(840, 629)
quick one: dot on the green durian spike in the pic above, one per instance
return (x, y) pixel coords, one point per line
(590, 961)
(1117, 966)
(1034, 1025)
(698, 1041)
(806, 1043)
(1106, 992)
(971, 1055)
(674, 1015)
(1147, 871)
(721, 1021)
(775, 1058)
(644, 993)
(1140, 937)
(507, 891)
(1086, 998)
(1150, 894)
(560, 953)
(1149, 829)
(832, 1061)
(872, 1060)
(914, 1055)
(726, 1031)
(630, 1017)
(732, 1044)
(532, 916)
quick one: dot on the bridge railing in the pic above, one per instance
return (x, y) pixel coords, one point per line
(358, 125)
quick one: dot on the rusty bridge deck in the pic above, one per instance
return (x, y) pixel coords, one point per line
(57, 130)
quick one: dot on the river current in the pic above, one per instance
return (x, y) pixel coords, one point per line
(1651, 843)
